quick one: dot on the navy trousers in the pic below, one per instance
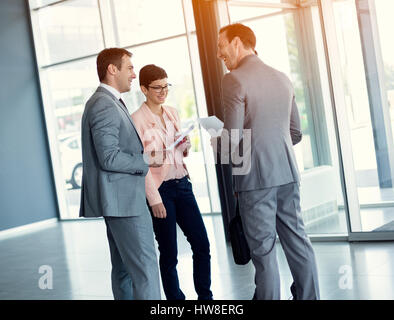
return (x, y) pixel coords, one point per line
(182, 209)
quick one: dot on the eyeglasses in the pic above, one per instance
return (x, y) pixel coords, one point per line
(159, 89)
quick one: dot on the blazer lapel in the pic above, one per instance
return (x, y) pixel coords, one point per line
(152, 122)
(120, 105)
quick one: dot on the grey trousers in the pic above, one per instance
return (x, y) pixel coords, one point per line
(135, 271)
(265, 212)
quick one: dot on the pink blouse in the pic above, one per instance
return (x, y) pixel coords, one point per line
(174, 157)
(155, 136)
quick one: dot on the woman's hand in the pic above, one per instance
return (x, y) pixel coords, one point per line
(188, 145)
(159, 211)
(184, 146)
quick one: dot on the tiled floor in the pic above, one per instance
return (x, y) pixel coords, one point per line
(78, 253)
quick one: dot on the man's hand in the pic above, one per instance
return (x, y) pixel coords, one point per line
(159, 211)
(154, 158)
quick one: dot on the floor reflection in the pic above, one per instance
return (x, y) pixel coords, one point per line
(78, 253)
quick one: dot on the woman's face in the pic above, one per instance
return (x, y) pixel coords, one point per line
(157, 91)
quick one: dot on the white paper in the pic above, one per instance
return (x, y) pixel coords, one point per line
(183, 135)
(213, 125)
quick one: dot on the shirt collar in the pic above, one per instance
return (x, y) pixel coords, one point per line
(115, 92)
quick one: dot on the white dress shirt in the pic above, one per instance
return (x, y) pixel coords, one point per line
(115, 92)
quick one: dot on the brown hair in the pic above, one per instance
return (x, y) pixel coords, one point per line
(150, 73)
(110, 56)
(245, 34)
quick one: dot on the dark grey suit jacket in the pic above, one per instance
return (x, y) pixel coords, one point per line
(260, 98)
(114, 170)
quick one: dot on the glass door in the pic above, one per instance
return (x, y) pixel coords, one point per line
(361, 55)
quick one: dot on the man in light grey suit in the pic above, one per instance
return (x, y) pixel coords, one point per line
(261, 100)
(113, 182)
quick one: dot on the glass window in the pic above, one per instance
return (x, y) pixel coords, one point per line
(366, 62)
(73, 144)
(146, 20)
(67, 87)
(242, 13)
(384, 16)
(34, 4)
(67, 30)
(174, 59)
(254, 3)
(68, 36)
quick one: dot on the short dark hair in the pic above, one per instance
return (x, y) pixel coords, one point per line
(245, 34)
(110, 56)
(150, 73)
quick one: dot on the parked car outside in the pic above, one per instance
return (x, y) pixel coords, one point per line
(71, 159)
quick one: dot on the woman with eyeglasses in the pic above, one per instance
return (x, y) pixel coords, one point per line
(168, 189)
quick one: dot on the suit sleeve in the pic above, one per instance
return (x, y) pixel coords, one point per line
(233, 98)
(105, 124)
(152, 193)
(295, 124)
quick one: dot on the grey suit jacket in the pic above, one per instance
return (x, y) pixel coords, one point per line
(260, 98)
(114, 170)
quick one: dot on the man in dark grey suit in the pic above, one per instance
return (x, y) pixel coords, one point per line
(113, 183)
(259, 103)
